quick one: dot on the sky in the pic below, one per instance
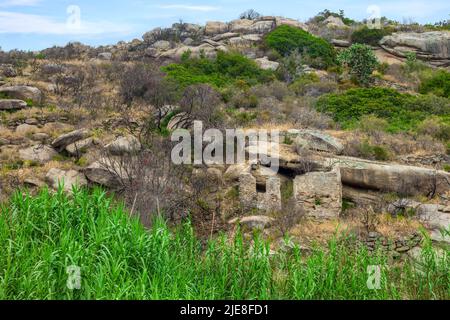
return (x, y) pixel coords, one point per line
(38, 24)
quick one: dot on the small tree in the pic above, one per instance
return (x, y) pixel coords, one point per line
(361, 61)
(250, 14)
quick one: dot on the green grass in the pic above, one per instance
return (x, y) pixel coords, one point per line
(41, 236)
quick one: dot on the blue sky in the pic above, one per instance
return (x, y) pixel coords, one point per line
(38, 24)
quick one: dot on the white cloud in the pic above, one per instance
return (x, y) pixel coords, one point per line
(19, 3)
(189, 7)
(13, 22)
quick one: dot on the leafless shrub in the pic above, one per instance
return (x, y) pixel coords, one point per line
(276, 89)
(149, 183)
(201, 102)
(307, 164)
(302, 114)
(289, 215)
(147, 84)
(369, 219)
(250, 14)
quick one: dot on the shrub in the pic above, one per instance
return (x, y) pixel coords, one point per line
(436, 128)
(225, 69)
(286, 39)
(276, 89)
(368, 36)
(250, 14)
(299, 85)
(371, 124)
(438, 84)
(361, 61)
(402, 111)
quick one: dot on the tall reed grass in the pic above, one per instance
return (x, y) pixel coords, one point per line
(41, 236)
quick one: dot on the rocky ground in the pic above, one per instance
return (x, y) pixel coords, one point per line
(318, 189)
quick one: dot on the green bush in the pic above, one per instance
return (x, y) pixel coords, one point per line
(402, 111)
(226, 69)
(368, 36)
(286, 39)
(436, 128)
(438, 84)
(361, 61)
(375, 152)
(299, 85)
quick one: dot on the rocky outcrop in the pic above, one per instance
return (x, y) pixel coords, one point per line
(40, 154)
(107, 56)
(340, 43)
(281, 21)
(78, 148)
(106, 172)
(434, 216)
(23, 93)
(8, 71)
(66, 139)
(180, 121)
(319, 141)
(12, 104)
(210, 39)
(69, 179)
(253, 222)
(319, 194)
(334, 22)
(215, 27)
(265, 64)
(124, 145)
(26, 129)
(430, 46)
(390, 177)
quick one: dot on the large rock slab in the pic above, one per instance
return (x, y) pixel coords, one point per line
(433, 46)
(390, 177)
(265, 64)
(240, 25)
(40, 154)
(12, 104)
(280, 21)
(215, 27)
(253, 222)
(23, 93)
(66, 139)
(124, 145)
(106, 172)
(319, 194)
(77, 148)
(26, 129)
(69, 179)
(334, 22)
(319, 141)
